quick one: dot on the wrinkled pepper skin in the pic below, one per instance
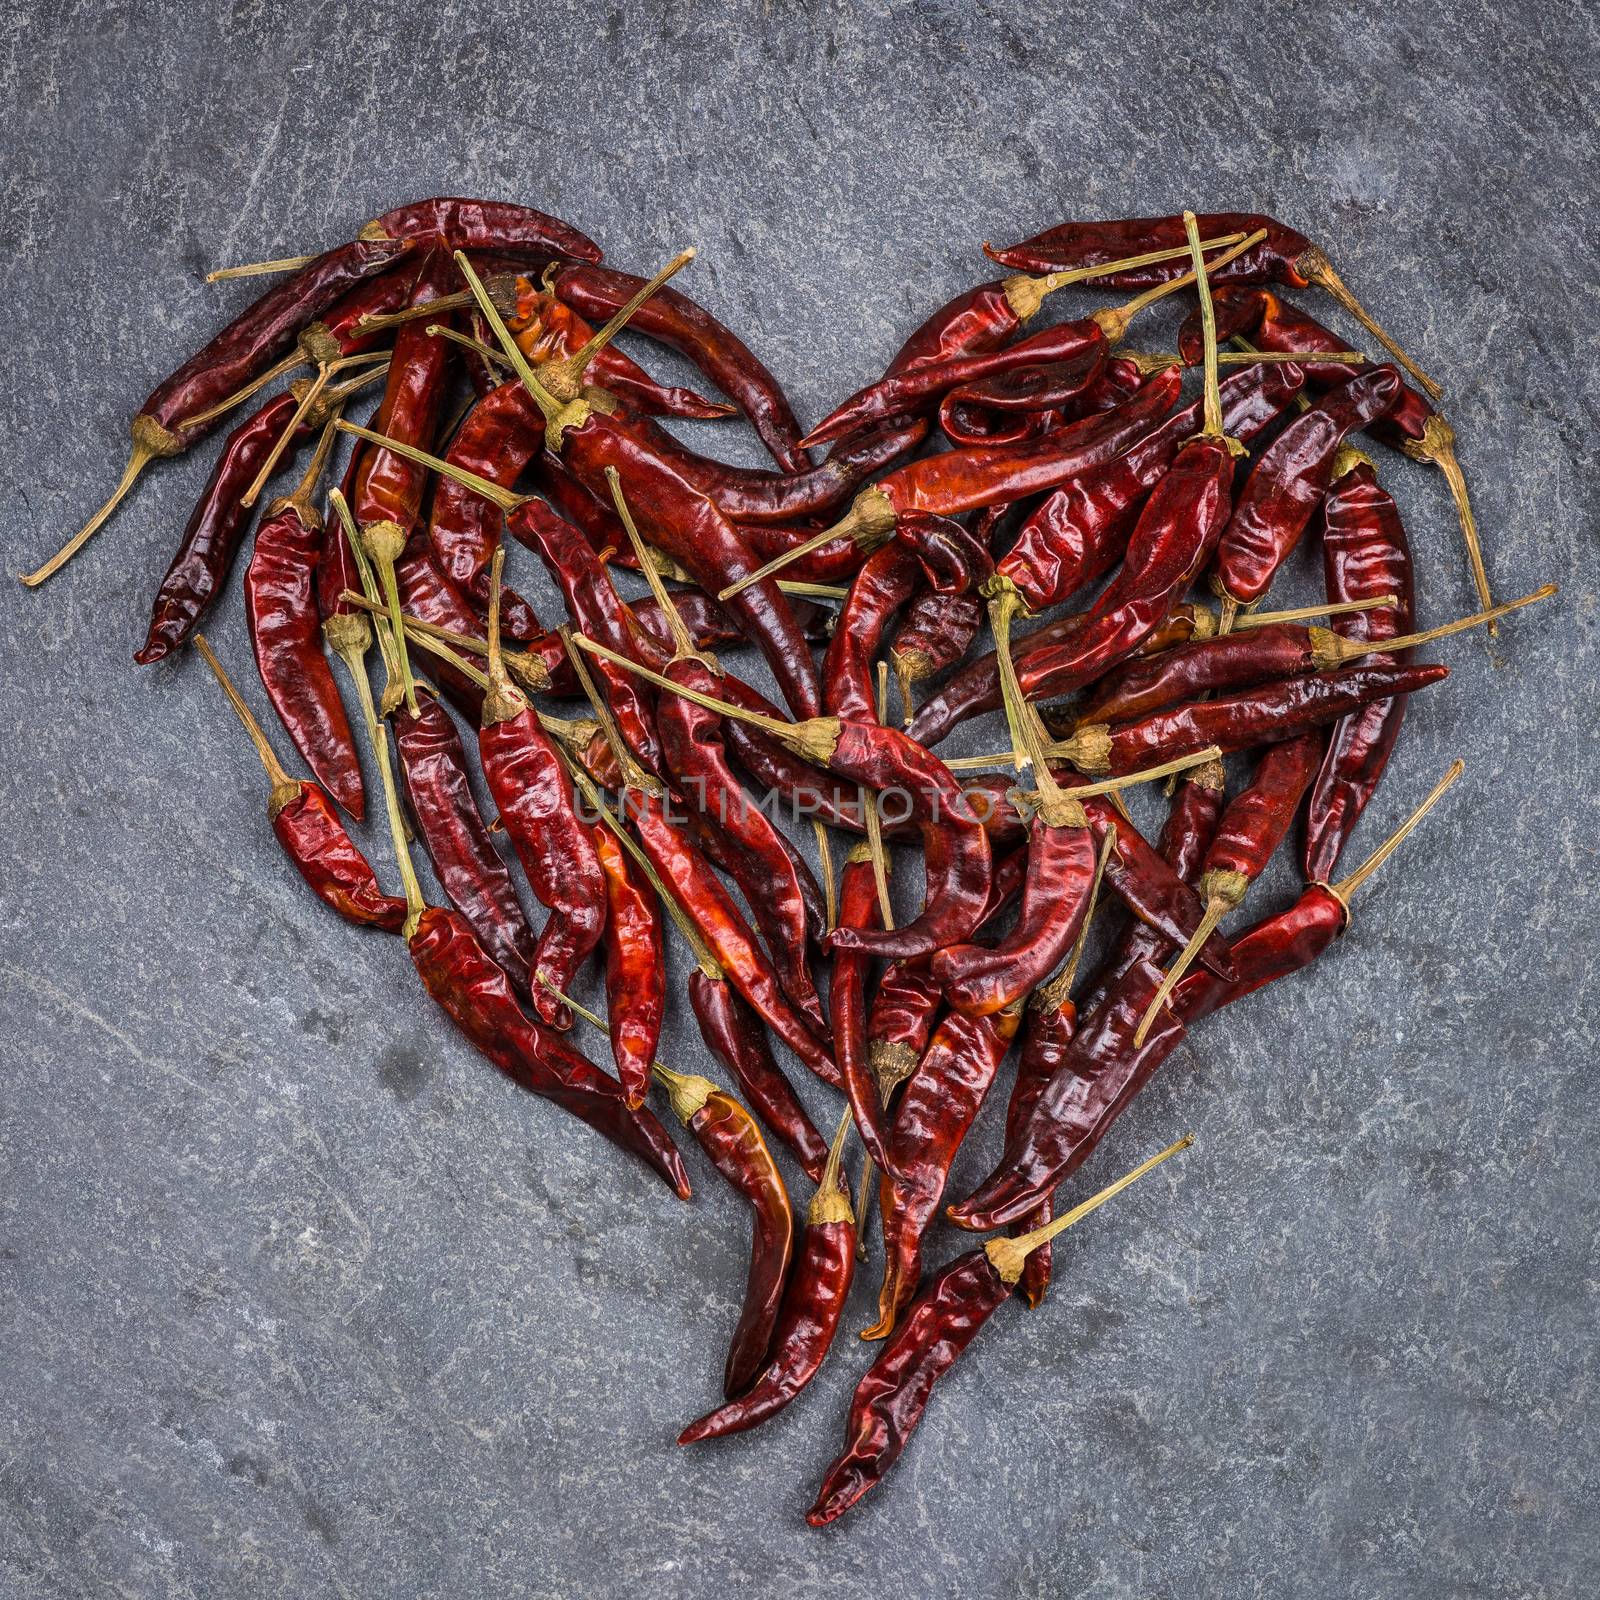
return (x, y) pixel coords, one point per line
(438, 789)
(890, 1399)
(280, 607)
(934, 1116)
(215, 530)
(1045, 1041)
(486, 225)
(314, 839)
(529, 785)
(887, 580)
(475, 994)
(847, 1004)
(734, 1034)
(1289, 480)
(636, 969)
(673, 319)
(1365, 553)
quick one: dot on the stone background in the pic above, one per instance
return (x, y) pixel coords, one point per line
(296, 1298)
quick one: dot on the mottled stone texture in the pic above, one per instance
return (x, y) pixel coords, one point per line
(296, 1298)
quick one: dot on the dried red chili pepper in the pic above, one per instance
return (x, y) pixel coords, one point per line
(1037, 397)
(1287, 483)
(472, 874)
(1283, 256)
(497, 225)
(675, 320)
(636, 974)
(818, 1287)
(890, 1400)
(886, 581)
(285, 633)
(528, 781)
(1079, 532)
(310, 832)
(186, 406)
(935, 632)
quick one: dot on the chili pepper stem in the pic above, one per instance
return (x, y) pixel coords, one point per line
(1212, 428)
(1347, 886)
(1106, 786)
(384, 542)
(863, 1203)
(284, 788)
(683, 646)
(437, 330)
(529, 671)
(306, 489)
(1329, 650)
(1006, 1256)
(830, 893)
(874, 823)
(869, 522)
(1438, 445)
(1113, 320)
(502, 499)
(382, 320)
(556, 415)
(831, 1202)
(1267, 619)
(307, 400)
(259, 269)
(1149, 361)
(369, 583)
(564, 378)
(1315, 268)
(150, 440)
(633, 775)
(1053, 995)
(816, 738)
(296, 358)
(415, 904)
(1217, 907)
(1026, 294)
(1228, 616)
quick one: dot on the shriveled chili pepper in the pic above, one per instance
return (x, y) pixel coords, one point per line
(529, 784)
(1254, 823)
(285, 633)
(488, 225)
(1283, 256)
(186, 406)
(433, 766)
(1287, 483)
(675, 320)
(1079, 531)
(952, 560)
(901, 1021)
(964, 480)
(813, 1300)
(935, 632)
(730, 1138)
(948, 1314)
(310, 832)
(1028, 396)
(636, 975)
(886, 581)
(934, 1116)
(359, 320)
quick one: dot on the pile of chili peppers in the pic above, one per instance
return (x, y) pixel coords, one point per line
(1056, 483)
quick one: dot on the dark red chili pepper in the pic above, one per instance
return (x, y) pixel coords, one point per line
(529, 784)
(1047, 386)
(935, 632)
(636, 974)
(817, 1289)
(355, 324)
(733, 1143)
(735, 1036)
(281, 609)
(920, 389)
(1364, 554)
(476, 996)
(934, 1115)
(1257, 716)
(952, 560)
(886, 581)
(433, 766)
(1289, 480)
(847, 1002)
(337, 571)
(1080, 531)
(712, 628)
(310, 831)
(1284, 256)
(675, 320)
(960, 1298)
(901, 1021)
(497, 225)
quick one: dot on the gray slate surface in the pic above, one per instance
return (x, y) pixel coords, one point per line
(297, 1298)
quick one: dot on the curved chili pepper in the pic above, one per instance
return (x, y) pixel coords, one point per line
(1077, 533)
(529, 784)
(1289, 480)
(934, 1115)
(818, 1287)
(901, 1021)
(497, 225)
(215, 529)
(733, 1143)
(285, 633)
(906, 392)
(1052, 1021)
(476, 995)
(675, 320)
(935, 632)
(952, 560)
(1046, 386)
(636, 976)
(1364, 553)
(1175, 534)
(433, 766)
(549, 330)
(345, 330)
(808, 791)
(887, 580)
(847, 1002)
(309, 829)
(692, 747)
(1265, 715)
(980, 319)
(734, 1035)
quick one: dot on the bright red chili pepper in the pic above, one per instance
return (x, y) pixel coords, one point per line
(733, 1143)
(933, 1118)
(433, 766)
(818, 1287)
(887, 580)
(636, 975)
